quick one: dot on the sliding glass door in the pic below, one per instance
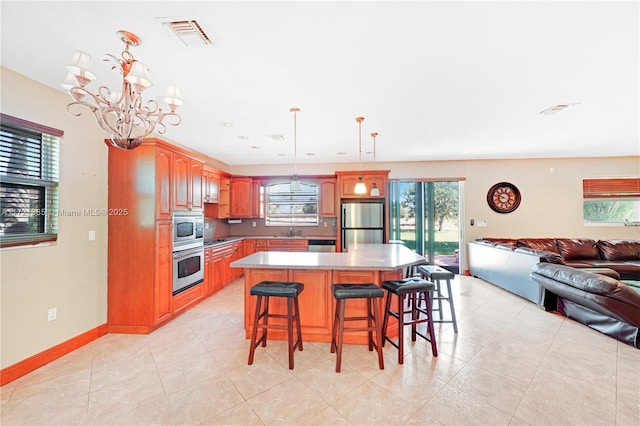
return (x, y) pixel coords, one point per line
(425, 217)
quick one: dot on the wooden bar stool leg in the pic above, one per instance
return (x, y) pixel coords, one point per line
(290, 331)
(400, 328)
(385, 321)
(340, 336)
(453, 311)
(432, 333)
(298, 326)
(414, 316)
(369, 324)
(376, 315)
(254, 333)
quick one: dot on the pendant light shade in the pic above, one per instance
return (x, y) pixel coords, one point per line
(375, 191)
(360, 188)
(295, 180)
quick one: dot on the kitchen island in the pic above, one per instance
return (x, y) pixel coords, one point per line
(366, 263)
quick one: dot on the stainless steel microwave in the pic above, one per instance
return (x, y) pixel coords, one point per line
(188, 228)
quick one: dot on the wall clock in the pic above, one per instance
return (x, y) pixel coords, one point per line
(503, 197)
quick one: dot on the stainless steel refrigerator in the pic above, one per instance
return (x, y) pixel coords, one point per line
(362, 223)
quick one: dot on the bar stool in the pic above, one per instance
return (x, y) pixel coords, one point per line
(412, 288)
(264, 290)
(369, 291)
(412, 270)
(436, 274)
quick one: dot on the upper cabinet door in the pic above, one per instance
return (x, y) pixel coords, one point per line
(195, 174)
(240, 197)
(164, 159)
(327, 197)
(187, 183)
(181, 181)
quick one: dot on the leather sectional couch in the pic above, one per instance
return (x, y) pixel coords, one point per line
(594, 282)
(508, 262)
(598, 301)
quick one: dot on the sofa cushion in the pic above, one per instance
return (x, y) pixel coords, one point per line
(506, 241)
(578, 248)
(546, 244)
(619, 249)
(545, 256)
(589, 283)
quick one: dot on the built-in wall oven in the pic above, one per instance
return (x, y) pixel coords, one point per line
(188, 250)
(188, 267)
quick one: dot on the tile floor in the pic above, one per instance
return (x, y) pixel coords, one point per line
(511, 363)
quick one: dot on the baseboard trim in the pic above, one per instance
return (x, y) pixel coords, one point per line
(36, 361)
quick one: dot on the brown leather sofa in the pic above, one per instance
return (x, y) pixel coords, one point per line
(507, 262)
(622, 256)
(600, 302)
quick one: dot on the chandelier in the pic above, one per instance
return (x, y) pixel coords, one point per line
(360, 188)
(121, 114)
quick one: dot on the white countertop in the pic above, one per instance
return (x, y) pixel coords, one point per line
(379, 257)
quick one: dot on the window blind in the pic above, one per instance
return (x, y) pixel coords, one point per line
(28, 182)
(611, 188)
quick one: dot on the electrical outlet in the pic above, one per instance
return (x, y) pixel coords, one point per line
(92, 235)
(52, 314)
(253, 224)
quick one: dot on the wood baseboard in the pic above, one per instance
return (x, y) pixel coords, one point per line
(36, 361)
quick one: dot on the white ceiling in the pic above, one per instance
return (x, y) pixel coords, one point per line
(436, 80)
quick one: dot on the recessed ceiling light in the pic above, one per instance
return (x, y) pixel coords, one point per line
(226, 124)
(277, 137)
(244, 138)
(555, 109)
(255, 147)
(342, 153)
(311, 154)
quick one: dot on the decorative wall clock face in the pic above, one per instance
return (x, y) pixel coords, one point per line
(503, 197)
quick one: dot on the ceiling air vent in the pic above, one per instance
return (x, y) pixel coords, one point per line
(188, 31)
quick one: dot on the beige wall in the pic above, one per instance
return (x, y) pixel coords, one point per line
(551, 192)
(71, 275)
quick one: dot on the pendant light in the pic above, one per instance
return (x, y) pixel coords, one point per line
(375, 192)
(295, 181)
(360, 188)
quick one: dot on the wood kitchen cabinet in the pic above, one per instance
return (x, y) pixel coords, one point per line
(347, 182)
(210, 185)
(140, 258)
(287, 244)
(327, 197)
(241, 201)
(224, 197)
(256, 200)
(187, 178)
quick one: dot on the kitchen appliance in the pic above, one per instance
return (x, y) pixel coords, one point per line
(322, 246)
(362, 223)
(188, 267)
(188, 228)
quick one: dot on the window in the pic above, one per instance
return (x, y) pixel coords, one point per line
(289, 208)
(611, 200)
(28, 182)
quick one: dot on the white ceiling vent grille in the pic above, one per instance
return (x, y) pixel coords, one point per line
(188, 31)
